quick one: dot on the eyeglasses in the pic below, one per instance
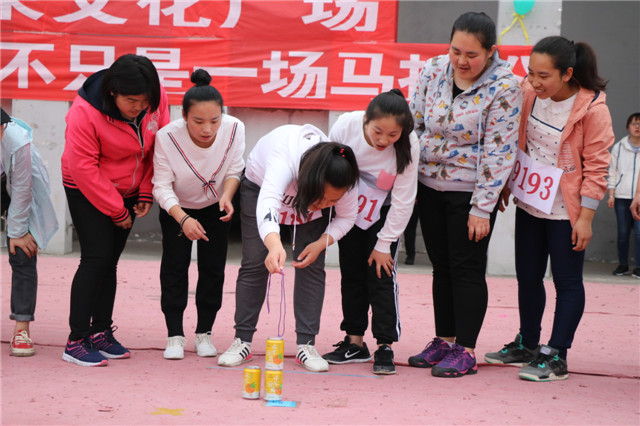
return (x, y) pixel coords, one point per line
(635, 123)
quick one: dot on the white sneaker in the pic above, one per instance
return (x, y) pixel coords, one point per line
(204, 347)
(175, 347)
(237, 354)
(311, 359)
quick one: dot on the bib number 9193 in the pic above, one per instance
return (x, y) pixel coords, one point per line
(534, 183)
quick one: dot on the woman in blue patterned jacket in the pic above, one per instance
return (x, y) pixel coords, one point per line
(467, 111)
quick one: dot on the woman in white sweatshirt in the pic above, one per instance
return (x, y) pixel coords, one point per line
(198, 162)
(387, 149)
(294, 177)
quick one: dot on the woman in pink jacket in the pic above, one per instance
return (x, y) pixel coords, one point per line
(566, 129)
(107, 167)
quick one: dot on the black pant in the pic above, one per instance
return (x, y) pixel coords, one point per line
(410, 232)
(93, 290)
(537, 240)
(459, 265)
(174, 269)
(361, 287)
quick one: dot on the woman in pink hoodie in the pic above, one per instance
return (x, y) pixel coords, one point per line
(565, 131)
(107, 166)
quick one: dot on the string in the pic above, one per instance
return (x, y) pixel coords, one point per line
(517, 17)
(283, 304)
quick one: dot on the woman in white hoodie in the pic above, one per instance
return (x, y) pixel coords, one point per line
(294, 176)
(623, 175)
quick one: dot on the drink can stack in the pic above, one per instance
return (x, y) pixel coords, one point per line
(274, 359)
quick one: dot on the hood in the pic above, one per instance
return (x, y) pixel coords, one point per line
(91, 92)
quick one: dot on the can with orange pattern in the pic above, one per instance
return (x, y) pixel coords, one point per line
(273, 385)
(274, 354)
(251, 382)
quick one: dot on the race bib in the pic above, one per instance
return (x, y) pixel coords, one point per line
(534, 183)
(288, 216)
(370, 200)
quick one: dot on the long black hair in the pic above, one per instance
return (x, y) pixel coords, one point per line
(130, 75)
(201, 92)
(325, 162)
(393, 103)
(566, 54)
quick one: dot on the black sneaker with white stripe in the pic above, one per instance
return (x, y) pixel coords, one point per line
(348, 352)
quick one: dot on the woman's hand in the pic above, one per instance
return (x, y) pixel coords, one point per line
(125, 224)
(141, 209)
(27, 243)
(478, 227)
(382, 260)
(227, 206)
(309, 254)
(194, 230)
(503, 201)
(582, 233)
(277, 255)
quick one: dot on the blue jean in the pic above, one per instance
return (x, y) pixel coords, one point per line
(537, 240)
(24, 285)
(626, 223)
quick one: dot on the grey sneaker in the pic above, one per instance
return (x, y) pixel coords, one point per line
(546, 367)
(513, 353)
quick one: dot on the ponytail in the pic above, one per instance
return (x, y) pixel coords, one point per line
(579, 56)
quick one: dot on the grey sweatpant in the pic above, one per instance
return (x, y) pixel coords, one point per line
(251, 287)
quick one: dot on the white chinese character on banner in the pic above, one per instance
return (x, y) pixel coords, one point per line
(167, 62)
(21, 63)
(350, 10)
(304, 75)
(177, 10)
(414, 64)
(76, 65)
(374, 76)
(91, 10)
(7, 5)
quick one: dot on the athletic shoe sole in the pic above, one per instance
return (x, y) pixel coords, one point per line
(497, 361)
(314, 370)
(112, 356)
(384, 372)
(22, 352)
(349, 361)
(72, 360)
(234, 364)
(535, 378)
(420, 364)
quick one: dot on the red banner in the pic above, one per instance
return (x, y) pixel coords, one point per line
(294, 68)
(367, 21)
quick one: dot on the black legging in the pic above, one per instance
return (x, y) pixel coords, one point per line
(459, 265)
(93, 290)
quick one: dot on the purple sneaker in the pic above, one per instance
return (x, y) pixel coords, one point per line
(81, 352)
(108, 346)
(432, 354)
(457, 363)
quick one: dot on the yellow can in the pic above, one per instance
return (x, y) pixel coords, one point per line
(273, 385)
(251, 382)
(274, 354)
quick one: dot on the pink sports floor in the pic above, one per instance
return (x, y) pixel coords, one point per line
(603, 387)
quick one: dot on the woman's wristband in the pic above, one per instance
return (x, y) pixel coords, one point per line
(184, 219)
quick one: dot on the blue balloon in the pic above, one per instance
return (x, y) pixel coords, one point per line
(523, 6)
